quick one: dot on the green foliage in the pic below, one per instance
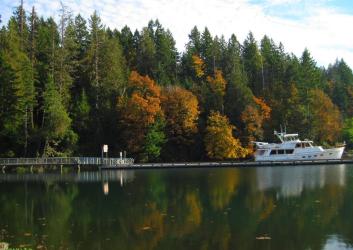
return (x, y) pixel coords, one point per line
(154, 140)
(348, 132)
(253, 64)
(56, 126)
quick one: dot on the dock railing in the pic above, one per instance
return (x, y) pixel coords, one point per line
(65, 161)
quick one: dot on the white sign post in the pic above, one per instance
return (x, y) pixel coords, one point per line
(105, 148)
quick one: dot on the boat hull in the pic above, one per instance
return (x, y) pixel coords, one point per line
(326, 154)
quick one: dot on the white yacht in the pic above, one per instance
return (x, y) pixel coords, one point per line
(292, 148)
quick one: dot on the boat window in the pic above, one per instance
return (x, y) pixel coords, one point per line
(273, 152)
(289, 151)
(298, 145)
(261, 152)
(307, 145)
(281, 151)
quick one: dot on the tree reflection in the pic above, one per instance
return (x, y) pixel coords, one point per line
(191, 209)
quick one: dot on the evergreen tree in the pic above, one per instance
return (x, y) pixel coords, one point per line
(166, 56)
(129, 50)
(238, 94)
(146, 56)
(273, 63)
(207, 51)
(310, 74)
(56, 122)
(193, 48)
(24, 81)
(93, 57)
(253, 65)
(340, 79)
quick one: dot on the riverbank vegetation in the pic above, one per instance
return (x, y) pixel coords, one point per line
(68, 87)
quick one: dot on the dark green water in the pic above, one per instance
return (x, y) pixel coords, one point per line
(307, 207)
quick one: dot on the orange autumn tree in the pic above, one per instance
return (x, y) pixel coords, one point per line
(219, 141)
(325, 117)
(253, 117)
(181, 111)
(139, 110)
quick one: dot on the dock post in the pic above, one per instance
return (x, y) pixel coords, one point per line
(31, 168)
(3, 168)
(78, 168)
(61, 169)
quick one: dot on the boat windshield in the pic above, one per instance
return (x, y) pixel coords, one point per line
(290, 138)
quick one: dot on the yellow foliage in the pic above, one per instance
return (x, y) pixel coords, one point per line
(195, 208)
(199, 66)
(327, 122)
(222, 187)
(217, 83)
(219, 141)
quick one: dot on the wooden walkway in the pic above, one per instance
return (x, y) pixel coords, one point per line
(128, 163)
(65, 161)
(235, 164)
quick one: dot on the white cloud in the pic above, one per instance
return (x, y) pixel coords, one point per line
(306, 24)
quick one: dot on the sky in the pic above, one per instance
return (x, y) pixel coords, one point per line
(321, 26)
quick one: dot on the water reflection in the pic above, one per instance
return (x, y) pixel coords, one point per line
(292, 181)
(123, 176)
(248, 208)
(334, 242)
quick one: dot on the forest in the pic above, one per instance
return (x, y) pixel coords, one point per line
(68, 87)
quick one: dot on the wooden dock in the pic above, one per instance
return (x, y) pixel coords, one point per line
(128, 163)
(237, 164)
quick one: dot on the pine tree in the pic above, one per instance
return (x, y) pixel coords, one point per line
(24, 81)
(93, 57)
(146, 56)
(340, 79)
(129, 50)
(253, 64)
(56, 125)
(66, 55)
(193, 48)
(207, 51)
(238, 94)
(310, 75)
(166, 56)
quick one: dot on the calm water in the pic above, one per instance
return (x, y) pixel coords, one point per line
(307, 207)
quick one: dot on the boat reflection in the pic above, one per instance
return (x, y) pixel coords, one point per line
(292, 181)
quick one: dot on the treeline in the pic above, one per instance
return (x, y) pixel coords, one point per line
(66, 88)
